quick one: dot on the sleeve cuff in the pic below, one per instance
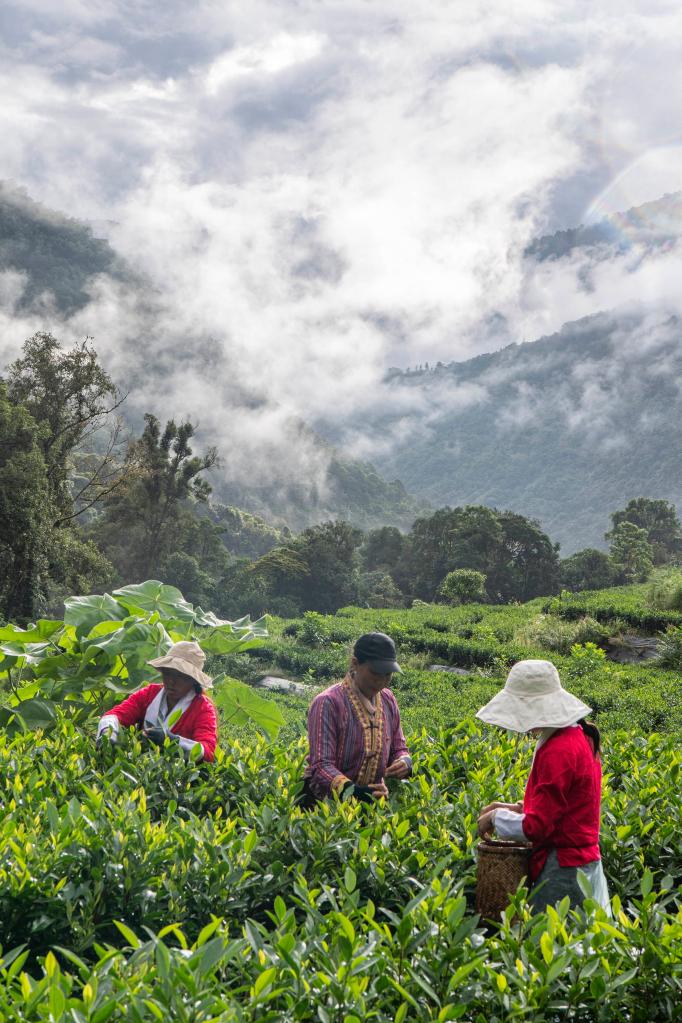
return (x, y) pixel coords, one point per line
(509, 824)
(108, 722)
(187, 745)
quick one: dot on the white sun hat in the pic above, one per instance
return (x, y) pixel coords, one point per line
(188, 658)
(533, 697)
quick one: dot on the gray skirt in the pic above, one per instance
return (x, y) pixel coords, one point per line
(556, 882)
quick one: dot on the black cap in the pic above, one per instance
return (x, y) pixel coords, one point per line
(378, 650)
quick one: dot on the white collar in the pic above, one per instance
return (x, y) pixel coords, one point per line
(157, 712)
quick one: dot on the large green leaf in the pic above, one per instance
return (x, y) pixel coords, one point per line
(36, 713)
(242, 705)
(85, 612)
(153, 595)
(38, 633)
(220, 641)
(30, 653)
(137, 642)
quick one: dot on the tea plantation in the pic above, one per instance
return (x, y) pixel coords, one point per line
(136, 886)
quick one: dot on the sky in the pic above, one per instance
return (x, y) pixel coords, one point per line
(316, 191)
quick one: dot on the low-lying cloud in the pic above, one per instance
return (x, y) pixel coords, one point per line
(316, 192)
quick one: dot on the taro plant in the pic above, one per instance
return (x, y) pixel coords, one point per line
(101, 648)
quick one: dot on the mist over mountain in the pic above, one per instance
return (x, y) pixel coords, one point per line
(653, 225)
(52, 259)
(564, 429)
(56, 275)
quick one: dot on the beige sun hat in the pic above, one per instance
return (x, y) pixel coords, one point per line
(533, 697)
(188, 658)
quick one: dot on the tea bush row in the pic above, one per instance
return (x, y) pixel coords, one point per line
(146, 839)
(331, 955)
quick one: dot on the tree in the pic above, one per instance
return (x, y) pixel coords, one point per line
(71, 397)
(328, 550)
(451, 538)
(382, 548)
(528, 564)
(517, 558)
(660, 520)
(377, 589)
(589, 569)
(149, 517)
(463, 586)
(25, 513)
(631, 552)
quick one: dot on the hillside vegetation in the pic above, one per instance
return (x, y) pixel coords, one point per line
(538, 426)
(135, 886)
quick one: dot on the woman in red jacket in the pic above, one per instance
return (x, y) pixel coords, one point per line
(175, 709)
(559, 815)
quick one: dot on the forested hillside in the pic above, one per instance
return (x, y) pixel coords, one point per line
(52, 261)
(652, 224)
(562, 429)
(56, 256)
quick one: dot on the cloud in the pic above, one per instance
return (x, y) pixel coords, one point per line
(317, 191)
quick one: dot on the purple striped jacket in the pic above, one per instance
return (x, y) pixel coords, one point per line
(346, 745)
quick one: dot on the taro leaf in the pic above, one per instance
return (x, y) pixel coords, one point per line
(242, 705)
(38, 633)
(84, 612)
(30, 653)
(156, 596)
(135, 641)
(36, 713)
(208, 619)
(103, 629)
(55, 666)
(225, 641)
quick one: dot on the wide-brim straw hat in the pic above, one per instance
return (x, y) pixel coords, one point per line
(533, 697)
(188, 658)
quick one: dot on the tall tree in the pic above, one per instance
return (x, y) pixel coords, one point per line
(71, 397)
(382, 548)
(149, 517)
(660, 520)
(528, 564)
(25, 512)
(517, 558)
(631, 552)
(589, 569)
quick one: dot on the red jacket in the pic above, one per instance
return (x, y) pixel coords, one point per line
(562, 801)
(199, 722)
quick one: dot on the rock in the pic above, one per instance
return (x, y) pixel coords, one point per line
(447, 667)
(282, 685)
(628, 649)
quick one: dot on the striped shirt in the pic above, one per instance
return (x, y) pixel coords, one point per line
(349, 744)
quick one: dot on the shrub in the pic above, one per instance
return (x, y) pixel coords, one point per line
(463, 586)
(553, 633)
(670, 650)
(665, 590)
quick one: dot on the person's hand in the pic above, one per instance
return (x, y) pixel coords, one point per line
(398, 769)
(155, 734)
(485, 823)
(516, 807)
(378, 790)
(108, 734)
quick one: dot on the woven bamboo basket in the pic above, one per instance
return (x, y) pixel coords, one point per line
(501, 867)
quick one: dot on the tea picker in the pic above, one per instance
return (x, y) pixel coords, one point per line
(555, 831)
(176, 709)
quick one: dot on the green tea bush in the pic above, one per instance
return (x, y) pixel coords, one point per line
(236, 905)
(197, 893)
(628, 604)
